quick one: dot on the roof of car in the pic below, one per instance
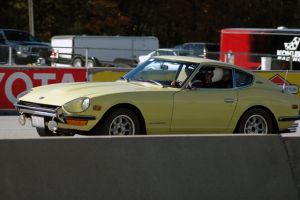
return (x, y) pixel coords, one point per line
(267, 31)
(8, 29)
(164, 49)
(189, 59)
(204, 43)
(199, 60)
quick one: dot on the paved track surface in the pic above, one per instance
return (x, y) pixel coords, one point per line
(11, 129)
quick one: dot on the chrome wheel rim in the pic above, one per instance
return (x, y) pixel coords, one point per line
(122, 125)
(256, 124)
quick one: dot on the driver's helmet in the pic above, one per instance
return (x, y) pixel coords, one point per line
(218, 74)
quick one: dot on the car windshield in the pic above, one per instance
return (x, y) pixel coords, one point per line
(162, 72)
(13, 35)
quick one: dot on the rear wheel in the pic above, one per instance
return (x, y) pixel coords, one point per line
(121, 121)
(256, 121)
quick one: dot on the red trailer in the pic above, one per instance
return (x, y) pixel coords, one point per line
(248, 45)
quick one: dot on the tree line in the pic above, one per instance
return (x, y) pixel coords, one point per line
(172, 21)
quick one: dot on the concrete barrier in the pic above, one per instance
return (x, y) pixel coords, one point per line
(174, 167)
(293, 150)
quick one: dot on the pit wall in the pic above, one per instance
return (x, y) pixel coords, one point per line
(225, 167)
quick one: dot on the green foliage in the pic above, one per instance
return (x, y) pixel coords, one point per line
(173, 22)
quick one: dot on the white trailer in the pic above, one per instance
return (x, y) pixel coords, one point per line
(100, 50)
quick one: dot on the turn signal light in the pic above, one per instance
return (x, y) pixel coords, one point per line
(96, 107)
(76, 122)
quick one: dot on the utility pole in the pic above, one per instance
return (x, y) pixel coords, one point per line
(31, 17)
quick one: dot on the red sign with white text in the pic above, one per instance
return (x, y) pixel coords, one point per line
(14, 80)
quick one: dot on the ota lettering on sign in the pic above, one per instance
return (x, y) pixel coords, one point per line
(15, 81)
(9, 83)
(44, 78)
(1, 77)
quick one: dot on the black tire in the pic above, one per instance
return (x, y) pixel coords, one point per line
(256, 121)
(91, 63)
(110, 125)
(44, 132)
(77, 62)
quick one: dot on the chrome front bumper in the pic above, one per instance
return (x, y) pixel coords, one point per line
(35, 110)
(46, 111)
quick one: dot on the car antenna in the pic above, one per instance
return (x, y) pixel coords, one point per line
(284, 83)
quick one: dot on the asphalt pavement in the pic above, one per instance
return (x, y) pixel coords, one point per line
(10, 128)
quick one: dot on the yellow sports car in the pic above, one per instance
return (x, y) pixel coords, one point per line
(164, 95)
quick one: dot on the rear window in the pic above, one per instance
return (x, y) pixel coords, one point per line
(243, 79)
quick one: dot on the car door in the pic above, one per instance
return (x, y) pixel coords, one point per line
(205, 108)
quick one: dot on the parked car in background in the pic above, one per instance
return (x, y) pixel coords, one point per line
(25, 49)
(163, 95)
(205, 49)
(166, 52)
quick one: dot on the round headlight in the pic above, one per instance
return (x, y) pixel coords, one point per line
(77, 105)
(85, 103)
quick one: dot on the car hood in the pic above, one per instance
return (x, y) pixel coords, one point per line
(58, 94)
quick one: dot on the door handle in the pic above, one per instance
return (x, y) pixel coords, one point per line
(228, 100)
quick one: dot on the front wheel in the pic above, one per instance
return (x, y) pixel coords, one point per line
(256, 121)
(121, 121)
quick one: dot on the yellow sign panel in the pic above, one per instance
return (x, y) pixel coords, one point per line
(106, 74)
(290, 79)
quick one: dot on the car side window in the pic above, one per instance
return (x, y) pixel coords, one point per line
(243, 79)
(213, 77)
